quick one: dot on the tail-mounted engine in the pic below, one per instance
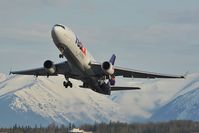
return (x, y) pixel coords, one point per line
(49, 66)
(107, 68)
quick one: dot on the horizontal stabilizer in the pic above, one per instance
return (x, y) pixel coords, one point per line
(81, 86)
(118, 88)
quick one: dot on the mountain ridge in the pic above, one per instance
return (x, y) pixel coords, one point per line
(44, 100)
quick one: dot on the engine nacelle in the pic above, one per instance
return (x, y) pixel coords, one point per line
(107, 68)
(49, 66)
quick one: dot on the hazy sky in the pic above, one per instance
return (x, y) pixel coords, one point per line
(156, 35)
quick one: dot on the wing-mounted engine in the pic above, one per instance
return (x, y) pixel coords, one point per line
(49, 66)
(107, 68)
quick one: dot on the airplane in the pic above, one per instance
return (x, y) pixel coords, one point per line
(99, 77)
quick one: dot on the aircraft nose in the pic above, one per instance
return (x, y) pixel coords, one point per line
(57, 28)
(57, 32)
(59, 25)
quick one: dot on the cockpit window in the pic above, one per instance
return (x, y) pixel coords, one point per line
(79, 44)
(60, 26)
(77, 40)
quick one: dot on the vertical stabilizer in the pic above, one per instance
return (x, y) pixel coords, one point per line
(112, 60)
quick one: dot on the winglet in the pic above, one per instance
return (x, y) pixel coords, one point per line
(112, 60)
(10, 71)
(185, 75)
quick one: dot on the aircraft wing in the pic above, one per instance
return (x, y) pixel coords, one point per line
(131, 73)
(61, 68)
(141, 74)
(118, 88)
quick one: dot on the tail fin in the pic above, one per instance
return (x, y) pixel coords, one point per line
(112, 60)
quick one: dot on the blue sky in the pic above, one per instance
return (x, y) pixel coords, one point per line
(158, 36)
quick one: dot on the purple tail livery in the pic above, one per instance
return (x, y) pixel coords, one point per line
(112, 60)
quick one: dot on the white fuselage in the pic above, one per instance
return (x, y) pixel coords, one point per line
(67, 42)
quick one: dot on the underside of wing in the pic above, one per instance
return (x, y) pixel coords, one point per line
(141, 74)
(61, 68)
(131, 73)
(36, 72)
(118, 88)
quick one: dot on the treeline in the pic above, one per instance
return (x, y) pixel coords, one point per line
(113, 127)
(177, 126)
(51, 128)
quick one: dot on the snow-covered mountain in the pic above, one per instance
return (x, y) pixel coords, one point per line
(27, 100)
(184, 105)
